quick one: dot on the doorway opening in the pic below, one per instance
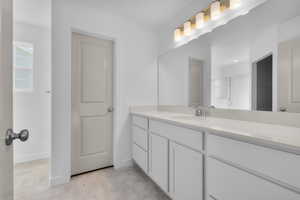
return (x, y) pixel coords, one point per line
(32, 95)
(262, 84)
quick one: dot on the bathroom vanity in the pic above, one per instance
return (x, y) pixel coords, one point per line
(194, 158)
(248, 71)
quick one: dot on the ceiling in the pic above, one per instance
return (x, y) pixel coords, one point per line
(35, 12)
(152, 13)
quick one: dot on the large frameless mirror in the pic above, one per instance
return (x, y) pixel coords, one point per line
(250, 63)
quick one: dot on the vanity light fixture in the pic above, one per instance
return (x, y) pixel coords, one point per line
(178, 34)
(234, 4)
(187, 28)
(218, 13)
(200, 19)
(215, 10)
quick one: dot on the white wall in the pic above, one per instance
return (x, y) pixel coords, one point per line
(35, 12)
(32, 109)
(289, 29)
(134, 84)
(174, 73)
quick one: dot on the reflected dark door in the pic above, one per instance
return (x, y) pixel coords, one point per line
(265, 84)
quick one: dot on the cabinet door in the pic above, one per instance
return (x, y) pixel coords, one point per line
(158, 160)
(228, 183)
(186, 173)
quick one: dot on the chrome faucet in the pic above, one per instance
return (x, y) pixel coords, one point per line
(200, 112)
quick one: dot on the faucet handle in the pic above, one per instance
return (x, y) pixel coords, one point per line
(200, 112)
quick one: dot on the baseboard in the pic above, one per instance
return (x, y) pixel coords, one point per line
(123, 164)
(31, 157)
(59, 180)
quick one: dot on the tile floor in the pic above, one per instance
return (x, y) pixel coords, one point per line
(31, 183)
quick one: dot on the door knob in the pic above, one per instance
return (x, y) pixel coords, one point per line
(11, 136)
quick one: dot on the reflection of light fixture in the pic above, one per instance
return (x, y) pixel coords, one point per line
(235, 61)
(187, 28)
(215, 10)
(177, 34)
(200, 20)
(235, 4)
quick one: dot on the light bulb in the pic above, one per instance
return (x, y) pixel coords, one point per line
(235, 4)
(200, 20)
(177, 35)
(187, 28)
(215, 10)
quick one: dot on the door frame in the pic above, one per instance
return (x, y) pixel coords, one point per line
(115, 88)
(254, 77)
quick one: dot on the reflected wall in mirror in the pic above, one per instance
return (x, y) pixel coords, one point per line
(251, 63)
(184, 75)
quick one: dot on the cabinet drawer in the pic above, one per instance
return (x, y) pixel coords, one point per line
(226, 182)
(140, 137)
(275, 164)
(140, 157)
(141, 122)
(184, 136)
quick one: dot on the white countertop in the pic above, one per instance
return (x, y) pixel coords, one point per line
(283, 138)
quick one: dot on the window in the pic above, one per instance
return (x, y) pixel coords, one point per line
(23, 66)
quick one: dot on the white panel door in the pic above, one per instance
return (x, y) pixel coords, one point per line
(289, 76)
(92, 62)
(186, 173)
(158, 160)
(6, 115)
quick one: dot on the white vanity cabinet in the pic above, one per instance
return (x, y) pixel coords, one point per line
(177, 152)
(238, 170)
(140, 142)
(174, 156)
(186, 173)
(228, 182)
(158, 160)
(191, 164)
